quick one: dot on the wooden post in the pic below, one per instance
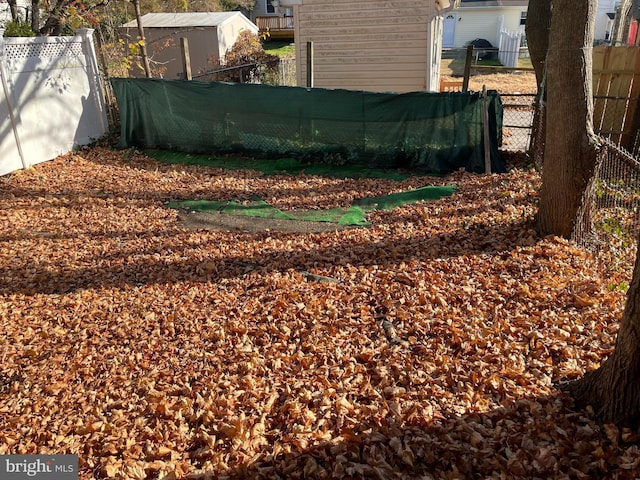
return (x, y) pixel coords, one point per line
(485, 131)
(186, 59)
(310, 64)
(467, 68)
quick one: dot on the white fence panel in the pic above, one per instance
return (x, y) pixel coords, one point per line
(509, 47)
(54, 94)
(11, 157)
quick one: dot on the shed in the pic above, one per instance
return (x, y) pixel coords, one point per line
(210, 34)
(483, 19)
(372, 45)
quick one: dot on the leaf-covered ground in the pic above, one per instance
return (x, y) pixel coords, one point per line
(427, 345)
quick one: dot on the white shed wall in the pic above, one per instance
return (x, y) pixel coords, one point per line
(229, 31)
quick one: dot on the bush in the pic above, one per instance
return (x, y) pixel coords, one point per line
(248, 55)
(18, 29)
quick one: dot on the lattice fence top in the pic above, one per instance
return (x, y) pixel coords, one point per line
(16, 51)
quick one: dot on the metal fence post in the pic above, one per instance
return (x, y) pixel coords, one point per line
(309, 64)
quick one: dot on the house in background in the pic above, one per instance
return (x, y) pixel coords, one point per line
(372, 45)
(270, 8)
(605, 18)
(274, 21)
(483, 19)
(626, 25)
(210, 35)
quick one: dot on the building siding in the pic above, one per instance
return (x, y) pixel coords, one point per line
(375, 45)
(259, 9)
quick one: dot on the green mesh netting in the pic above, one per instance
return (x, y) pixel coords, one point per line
(430, 132)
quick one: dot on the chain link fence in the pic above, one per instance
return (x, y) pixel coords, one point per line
(608, 222)
(517, 121)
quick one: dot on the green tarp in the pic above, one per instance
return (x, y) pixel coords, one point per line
(428, 132)
(353, 215)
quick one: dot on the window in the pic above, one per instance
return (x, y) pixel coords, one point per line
(523, 18)
(270, 7)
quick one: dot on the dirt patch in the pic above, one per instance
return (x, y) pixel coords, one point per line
(238, 223)
(505, 82)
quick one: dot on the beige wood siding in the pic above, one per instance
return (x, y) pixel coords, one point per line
(374, 45)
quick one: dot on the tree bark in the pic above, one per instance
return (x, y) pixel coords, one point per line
(13, 9)
(570, 150)
(537, 29)
(613, 390)
(54, 19)
(35, 15)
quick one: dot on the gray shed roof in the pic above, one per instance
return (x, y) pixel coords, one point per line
(189, 19)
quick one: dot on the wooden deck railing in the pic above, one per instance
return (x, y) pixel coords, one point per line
(275, 27)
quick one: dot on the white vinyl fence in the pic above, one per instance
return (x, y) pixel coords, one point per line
(51, 99)
(509, 47)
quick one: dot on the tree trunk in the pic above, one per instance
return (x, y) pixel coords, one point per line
(35, 15)
(13, 9)
(570, 149)
(143, 43)
(613, 390)
(537, 29)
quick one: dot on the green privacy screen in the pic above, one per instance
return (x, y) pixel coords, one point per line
(428, 132)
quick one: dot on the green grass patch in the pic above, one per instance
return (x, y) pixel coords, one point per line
(525, 62)
(256, 207)
(278, 166)
(283, 49)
